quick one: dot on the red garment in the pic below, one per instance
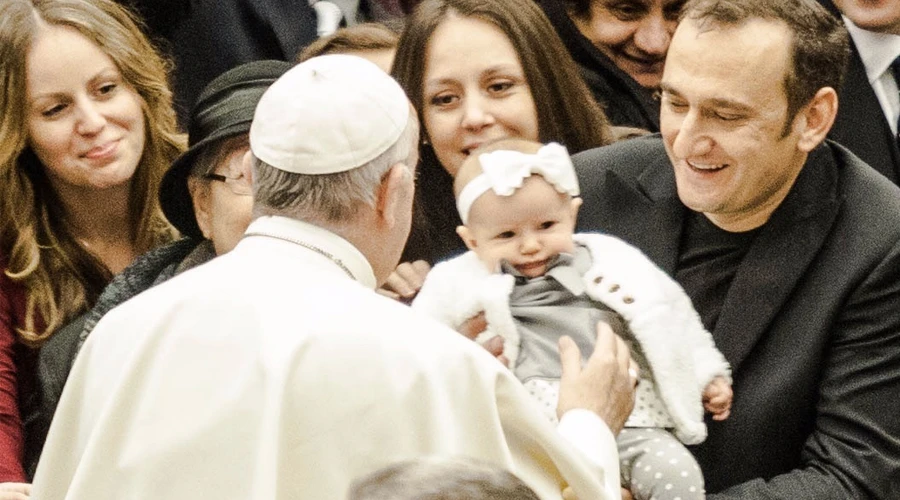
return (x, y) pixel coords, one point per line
(12, 310)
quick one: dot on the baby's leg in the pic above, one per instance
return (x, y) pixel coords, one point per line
(656, 466)
(546, 393)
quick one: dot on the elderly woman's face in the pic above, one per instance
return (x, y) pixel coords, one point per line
(224, 204)
(474, 90)
(635, 34)
(85, 122)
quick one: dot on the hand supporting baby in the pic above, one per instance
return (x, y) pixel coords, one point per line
(473, 326)
(717, 398)
(404, 283)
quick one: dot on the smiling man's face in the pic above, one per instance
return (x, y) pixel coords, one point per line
(723, 121)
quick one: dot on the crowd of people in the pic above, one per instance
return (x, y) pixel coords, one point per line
(216, 219)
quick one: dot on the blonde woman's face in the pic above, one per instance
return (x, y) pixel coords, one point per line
(85, 123)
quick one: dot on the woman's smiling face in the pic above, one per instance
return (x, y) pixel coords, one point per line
(634, 34)
(475, 90)
(85, 122)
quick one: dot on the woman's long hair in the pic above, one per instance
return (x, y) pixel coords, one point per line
(61, 279)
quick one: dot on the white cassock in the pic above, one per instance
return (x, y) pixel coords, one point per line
(270, 374)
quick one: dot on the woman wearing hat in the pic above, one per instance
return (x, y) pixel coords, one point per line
(86, 131)
(203, 195)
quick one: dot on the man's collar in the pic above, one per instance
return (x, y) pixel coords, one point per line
(319, 240)
(877, 50)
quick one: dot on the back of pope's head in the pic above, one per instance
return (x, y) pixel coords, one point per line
(324, 136)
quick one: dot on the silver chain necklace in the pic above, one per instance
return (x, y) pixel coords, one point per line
(308, 246)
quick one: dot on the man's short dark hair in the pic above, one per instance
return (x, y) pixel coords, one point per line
(820, 44)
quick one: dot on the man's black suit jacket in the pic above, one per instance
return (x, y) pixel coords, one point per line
(861, 125)
(810, 325)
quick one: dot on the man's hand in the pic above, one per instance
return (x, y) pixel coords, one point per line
(717, 398)
(15, 491)
(404, 283)
(604, 384)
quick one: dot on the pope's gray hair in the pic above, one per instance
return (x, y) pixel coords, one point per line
(332, 198)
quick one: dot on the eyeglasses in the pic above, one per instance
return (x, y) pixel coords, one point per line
(237, 185)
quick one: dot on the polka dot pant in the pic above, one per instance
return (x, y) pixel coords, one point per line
(656, 466)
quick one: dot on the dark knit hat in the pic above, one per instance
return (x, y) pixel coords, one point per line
(223, 110)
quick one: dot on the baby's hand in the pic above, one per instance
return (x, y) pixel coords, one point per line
(404, 283)
(717, 398)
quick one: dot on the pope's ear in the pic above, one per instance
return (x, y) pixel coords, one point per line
(395, 195)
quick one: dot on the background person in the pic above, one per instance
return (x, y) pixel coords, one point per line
(870, 102)
(87, 131)
(787, 244)
(206, 38)
(373, 41)
(253, 362)
(620, 47)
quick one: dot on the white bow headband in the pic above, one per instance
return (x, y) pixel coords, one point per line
(505, 171)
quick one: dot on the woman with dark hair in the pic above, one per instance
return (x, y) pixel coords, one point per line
(478, 71)
(86, 131)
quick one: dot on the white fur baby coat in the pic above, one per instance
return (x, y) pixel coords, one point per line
(657, 310)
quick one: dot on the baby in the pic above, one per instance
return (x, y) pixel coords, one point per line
(535, 281)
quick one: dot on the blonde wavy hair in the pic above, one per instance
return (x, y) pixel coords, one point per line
(60, 277)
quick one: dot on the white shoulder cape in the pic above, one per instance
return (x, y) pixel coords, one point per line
(679, 349)
(268, 374)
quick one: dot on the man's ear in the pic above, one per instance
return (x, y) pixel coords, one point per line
(200, 200)
(817, 118)
(467, 236)
(395, 195)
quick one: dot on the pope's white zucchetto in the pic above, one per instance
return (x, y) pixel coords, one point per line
(328, 114)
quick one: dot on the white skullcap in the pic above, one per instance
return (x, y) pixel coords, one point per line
(329, 114)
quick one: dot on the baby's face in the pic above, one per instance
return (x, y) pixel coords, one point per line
(526, 229)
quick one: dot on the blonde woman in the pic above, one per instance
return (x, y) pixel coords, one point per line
(86, 131)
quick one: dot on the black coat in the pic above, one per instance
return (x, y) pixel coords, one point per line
(57, 355)
(206, 38)
(810, 325)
